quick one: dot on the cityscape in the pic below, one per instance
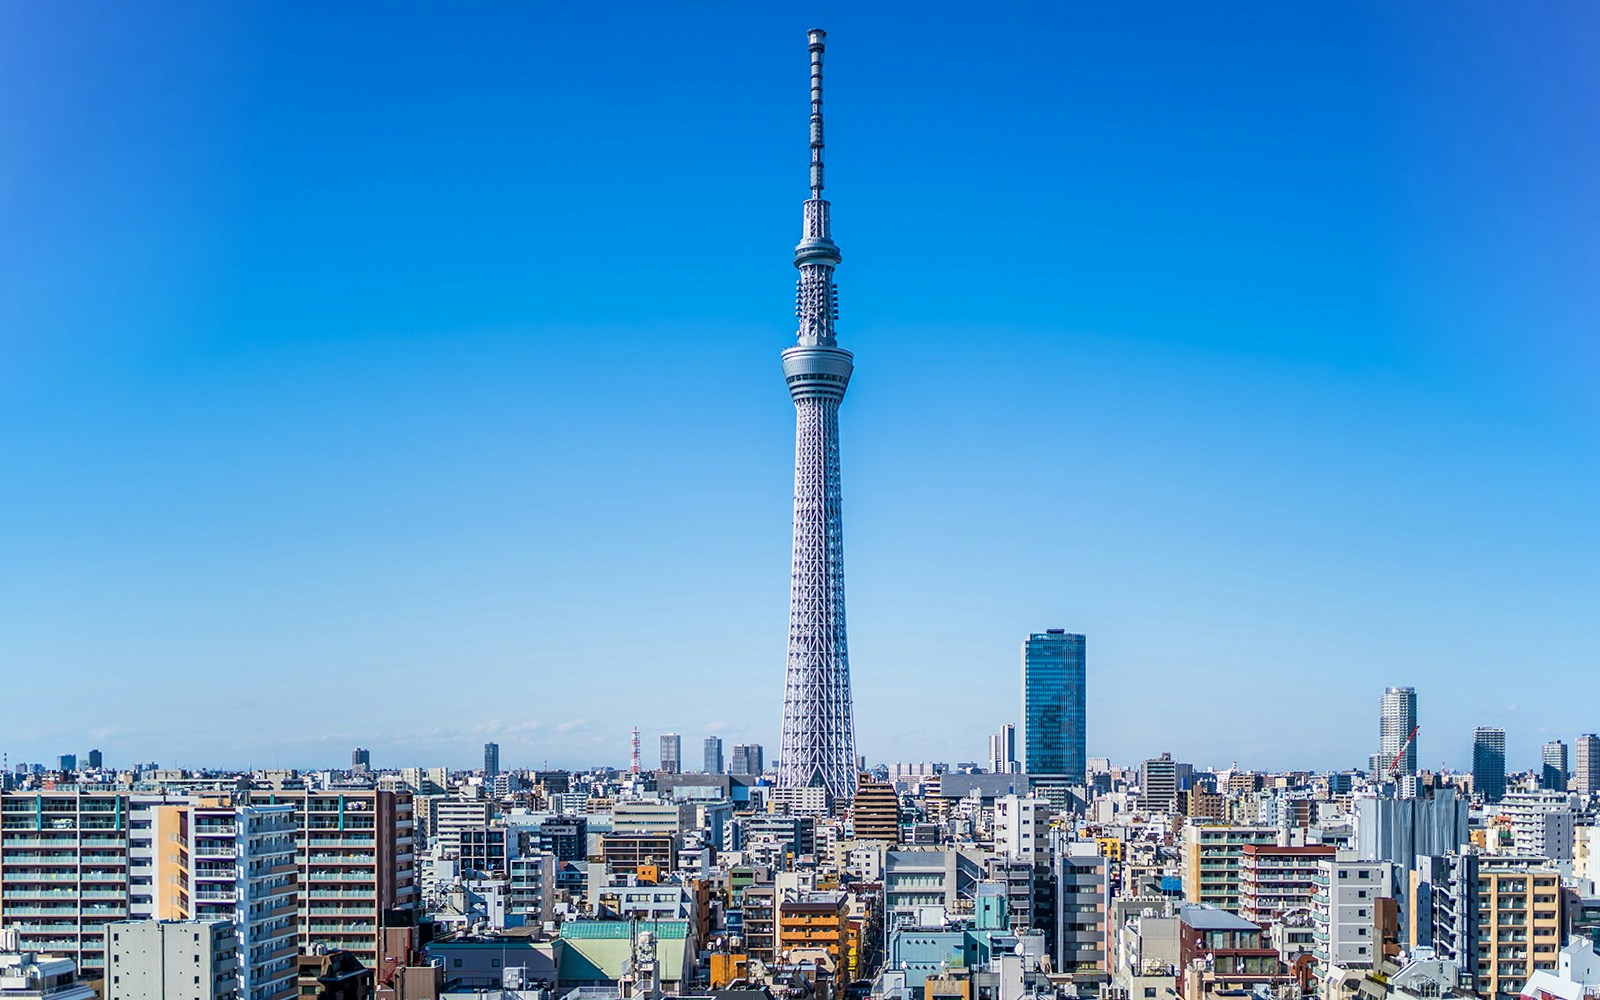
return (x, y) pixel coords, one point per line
(840, 862)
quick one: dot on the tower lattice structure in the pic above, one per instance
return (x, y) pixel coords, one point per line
(819, 737)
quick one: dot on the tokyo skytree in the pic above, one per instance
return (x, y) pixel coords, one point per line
(819, 734)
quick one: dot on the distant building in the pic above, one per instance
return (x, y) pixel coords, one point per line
(1541, 823)
(360, 759)
(1053, 710)
(1489, 763)
(491, 759)
(1397, 721)
(1160, 779)
(713, 755)
(747, 759)
(672, 753)
(67, 763)
(1553, 773)
(1003, 751)
(96, 761)
(875, 812)
(1586, 768)
(176, 960)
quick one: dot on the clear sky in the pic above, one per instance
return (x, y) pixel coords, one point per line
(407, 376)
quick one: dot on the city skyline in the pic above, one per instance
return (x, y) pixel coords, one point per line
(334, 382)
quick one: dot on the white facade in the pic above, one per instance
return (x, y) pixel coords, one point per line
(1022, 828)
(1344, 911)
(243, 869)
(1541, 823)
(172, 960)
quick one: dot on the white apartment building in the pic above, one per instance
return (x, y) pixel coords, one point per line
(1344, 912)
(1541, 823)
(1022, 828)
(243, 869)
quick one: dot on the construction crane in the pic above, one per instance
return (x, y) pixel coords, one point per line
(1394, 767)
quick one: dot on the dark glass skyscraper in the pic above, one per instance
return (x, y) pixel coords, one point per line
(1489, 763)
(1053, 704)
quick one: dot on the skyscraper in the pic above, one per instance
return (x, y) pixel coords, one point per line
(1053, 704)
(491, 760)
(747, 759)
(713, 755)
(819, 735)
(360, 759)
(1489, 763)
(672, 753)
(1586, 768)
(1398, 720)
(1003, 750)
(1553, 773)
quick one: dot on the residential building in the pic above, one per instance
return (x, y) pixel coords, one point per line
(1541, 823)
(29, 975)
(1053, 707)
(1160, 780)
(174, 960)
(334, 975)
(1553, 772)
(1519, 926)
(1210, 858)
(243, 870)
(357, 859)
(1489, 763)
(1022, 828)
(1219, 952)
(1275, 881)
(1345, 912)
(713, 755)
(1003, 751)
(1398, 721)
(875, 812)
(1586, 765)
(1082, 905)
(457, 815)
(491, 760)
(672, 753)
(817, 921)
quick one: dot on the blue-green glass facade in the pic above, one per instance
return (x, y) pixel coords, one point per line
(1053, 704)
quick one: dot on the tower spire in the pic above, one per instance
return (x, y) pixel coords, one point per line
(816, 298)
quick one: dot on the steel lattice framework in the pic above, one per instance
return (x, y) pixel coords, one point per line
(819, 736)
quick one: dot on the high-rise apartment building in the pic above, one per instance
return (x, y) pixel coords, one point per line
(1345, 912)
(1022, 828)
(875, 812)
(361, 759)
(746, 759)
(1082, 907)
(1541, 823)
(1489, 763)
(672, 753)
(357, 858)
(1519, 926)
(1398, 722)
(491, 760)
(1553, 773)
(1277, 880)
(1586, 766)
(1210, 859)
(713, 755)
(819, 735)
(1053, 727)
(1003, 750)
(243, 869)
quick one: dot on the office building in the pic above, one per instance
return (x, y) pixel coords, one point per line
(713, 755)
(818, 749)
(747, 759)
(1082, 903)
(173, 960)
(1398, 722)
(1160, 780)
(67, 763)
(96, 760)
(491, 760)
(1053, 733)
(456, 815)
(360, 759)
(1586, 765)
(1210, 859)
(1003, 751)
(1489, 763)
(672, 753)
(1553, 773)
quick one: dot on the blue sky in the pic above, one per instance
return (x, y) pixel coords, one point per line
(408, 377)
